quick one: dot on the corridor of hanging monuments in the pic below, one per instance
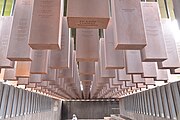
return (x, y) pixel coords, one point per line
(89, 60)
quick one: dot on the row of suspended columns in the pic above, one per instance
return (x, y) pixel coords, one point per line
(16, 102)
(163, 101)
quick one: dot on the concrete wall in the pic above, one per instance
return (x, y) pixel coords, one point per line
(89, 109)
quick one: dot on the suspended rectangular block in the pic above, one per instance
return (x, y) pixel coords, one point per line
(104, 73)
(87, 45)
(35, 78)
(23, 69)
(124, 85)
(37, 88)
(86, 82)
(5, 32)
(129, 84)
(51, 76)
(115, 81)
(19, 49)
(137, 79)
(86, 77)
(122, 76)
(10, 74)
(176, 4)
(149, 70)
(134, 89)
(31, 85)
(149, 81)
(141, 85)
(162, 75)
(39, 63)
(114, 59)
(133, 62)
(88, 14)
(111, 84)
(43, 84)
(155, 50)
(46, 24)
(87, 68)
(132, 36)
(60, 59)
(52, 82)
(175, 71)
(23, 81)
(69, 81)
(68, 72)
(172, 55)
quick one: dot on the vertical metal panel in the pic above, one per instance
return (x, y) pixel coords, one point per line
(4, 101)
(155, 49)
(105, 73)
(176, 98)
(32, 103)
(151, 102)
(114, 59)
(145, 103)
(18, 45)
(1, 91)
(160, 104)
(165, 102)
(60, 59)
(39, 63)
(156, 108)
(10, 102)
(19, 103)
(170, 102)
(5, 30)
(87, 45)
(68, 73)
(26, 103)
(138, 104)
(148, 103)
(132, 36)
(142, 102)
(42, 34)
(23, 102)
(36, 103)
(173, 60)
(133, 66)
(29, 103)
(15, 102)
